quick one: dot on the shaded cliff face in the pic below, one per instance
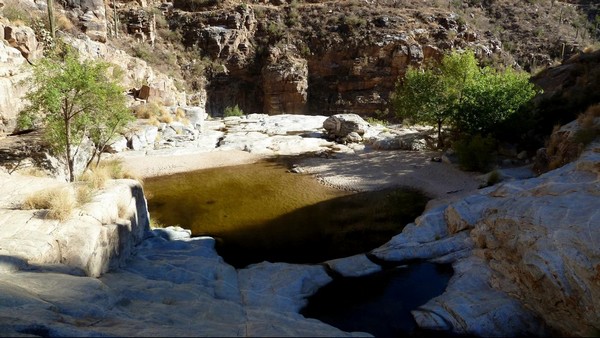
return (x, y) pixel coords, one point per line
(322, 58)
(346, 56)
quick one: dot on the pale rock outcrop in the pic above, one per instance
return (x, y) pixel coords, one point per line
(353, 266)
(171, 274)
(117, 144)
(142, 136)
(340, 126)
(23, 39)
(13, 71)
(99, 236)
(471, 306)
(532, 239)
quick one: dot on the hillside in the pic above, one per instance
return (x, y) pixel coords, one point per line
(316, 57)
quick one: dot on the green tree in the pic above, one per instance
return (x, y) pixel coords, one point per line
(458, 92)
(74, 100)
(431, 95)
(491, 99)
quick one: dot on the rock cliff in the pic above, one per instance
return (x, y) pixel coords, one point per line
(532, 240)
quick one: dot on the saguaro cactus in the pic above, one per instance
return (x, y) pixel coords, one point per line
(51, 17)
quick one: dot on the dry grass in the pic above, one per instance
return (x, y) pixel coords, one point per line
(33, 171)
(153, 121)
(60, 202)
(165, 115)
(588, 119)
(146, 110)
(97, 177)
(84, 193)
(64, 23)
(156, 224)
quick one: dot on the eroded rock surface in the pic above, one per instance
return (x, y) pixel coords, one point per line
(532, 239)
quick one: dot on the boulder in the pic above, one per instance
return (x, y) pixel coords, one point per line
(142, 136)
(23, 39)
(340, 125)
(116, 145)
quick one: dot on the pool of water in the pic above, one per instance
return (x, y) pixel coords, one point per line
(380, 303)
(262, 212)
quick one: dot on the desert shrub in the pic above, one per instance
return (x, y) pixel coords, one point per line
(83, 193)
(589, 127)
(96, 177)
(33, 171)
(165, 116)
(180, 116)
(146, 111)
(233, 111)
(64, 23)
(493, 178)
(60, 202)
(475, 153)
(156, 224)
(374, 121)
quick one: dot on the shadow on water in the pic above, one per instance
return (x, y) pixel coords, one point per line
(261, 212)
(380, 303)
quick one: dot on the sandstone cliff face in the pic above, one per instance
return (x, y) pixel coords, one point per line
(306, 59)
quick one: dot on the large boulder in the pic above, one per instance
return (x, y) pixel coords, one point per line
(23, 39)
(340, 125)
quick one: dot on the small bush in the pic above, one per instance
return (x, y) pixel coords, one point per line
(375, 121)
(493, 178)
(60, 202)
(233, 111)
(64, 23)
(146, 111)
(165, 115)
(97, 177)
(475, 153)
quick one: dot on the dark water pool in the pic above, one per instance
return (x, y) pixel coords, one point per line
(380, 303)
(262, 212)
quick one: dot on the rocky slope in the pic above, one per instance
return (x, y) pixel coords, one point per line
(326, 57)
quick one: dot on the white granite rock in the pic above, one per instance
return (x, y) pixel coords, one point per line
(353, 266)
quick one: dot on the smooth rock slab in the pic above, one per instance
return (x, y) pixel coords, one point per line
(353, 266)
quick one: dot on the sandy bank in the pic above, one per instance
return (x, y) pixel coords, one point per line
(159, 165)
(371, 170)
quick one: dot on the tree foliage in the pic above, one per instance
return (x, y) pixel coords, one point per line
(460, 93)
(73, 101)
